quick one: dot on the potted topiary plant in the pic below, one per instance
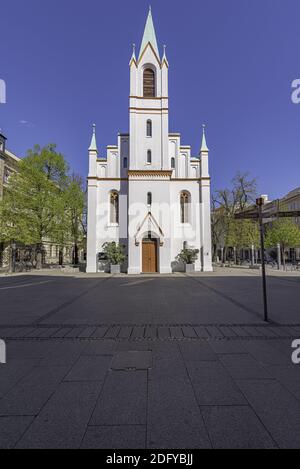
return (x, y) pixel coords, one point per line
(188, 257)
(115, 256)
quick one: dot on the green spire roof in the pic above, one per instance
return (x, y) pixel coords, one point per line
(149, 35)
(93, 145)
(204, 144)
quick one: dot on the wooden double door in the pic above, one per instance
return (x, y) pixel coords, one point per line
(149, 256)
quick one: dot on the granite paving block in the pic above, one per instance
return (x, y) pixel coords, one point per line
(228, 346)
(265, 353)
(12, 429)
(174, 418)
(63, 421)
(277, 408)
(87, 332)
(236, 427)
(125, 332)
(163, 333)
(31, 393)
(213, 385)
(189, 332)
(244, 367)
(123, 400)
(100, 347)
(14, 370)
(138, 332)
(89, 368)
(198, 350)
(202, 332)
(214, 332)
(132, 360)
(100, 332)
(176, 333)
(112, 437)
(288, 376)
(151, 332)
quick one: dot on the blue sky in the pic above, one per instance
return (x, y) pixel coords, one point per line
(232, 62)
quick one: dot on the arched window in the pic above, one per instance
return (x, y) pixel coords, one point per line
(185, 200)
(149, 83)
(172, 163)
(149, 157)
(149, 198)
(149, 128)
(114, 207)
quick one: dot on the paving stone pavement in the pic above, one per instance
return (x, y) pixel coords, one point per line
(163, 393)
(202, 372)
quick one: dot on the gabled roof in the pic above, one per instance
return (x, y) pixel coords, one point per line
(149, 35)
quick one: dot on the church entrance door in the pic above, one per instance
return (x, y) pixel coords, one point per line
(149, 256)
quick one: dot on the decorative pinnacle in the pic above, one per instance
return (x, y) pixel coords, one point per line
(204, 144)
(133, 48)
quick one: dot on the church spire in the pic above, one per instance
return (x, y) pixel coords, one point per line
(93, 145)
(149, 35)
(204, 144)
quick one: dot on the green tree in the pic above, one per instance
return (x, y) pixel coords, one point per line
(284, 232)
(71, 228)
(32, 206)
(226, 202)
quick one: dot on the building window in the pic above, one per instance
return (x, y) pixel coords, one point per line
(125, 163)
(185, 200)
(149, 157)
(172, 163)
(114, 208)
(149, 198)
(149, 128)
(149, 83)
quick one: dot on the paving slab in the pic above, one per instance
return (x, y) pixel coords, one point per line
(213, 385)
(132, 360)
(12, 429)
(31, 393)
(244, 367)
(277, 409)
(174, 418)
(63, 421)
(123, 400)
(236, 427)
(112, 437)
(89, 368)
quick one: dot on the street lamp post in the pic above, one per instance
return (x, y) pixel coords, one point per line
(260, 203)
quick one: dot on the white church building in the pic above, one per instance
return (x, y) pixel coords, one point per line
(149, 193)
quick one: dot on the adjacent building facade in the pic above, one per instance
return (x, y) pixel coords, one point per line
(149, 193)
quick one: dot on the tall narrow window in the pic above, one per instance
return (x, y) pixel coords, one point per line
(184, 207)
(149, 83)
(114, 207)
(125, 162)
(172, 163)
(149, 198)
(149, 157)
(149, 128)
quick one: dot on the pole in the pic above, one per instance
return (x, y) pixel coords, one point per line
(263, 264)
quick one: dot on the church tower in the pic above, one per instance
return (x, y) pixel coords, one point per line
(149, 105)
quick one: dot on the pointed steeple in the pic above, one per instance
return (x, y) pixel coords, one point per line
(93, 145)
(149, 35)
(204, 147)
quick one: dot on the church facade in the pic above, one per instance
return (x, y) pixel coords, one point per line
(149, 193)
